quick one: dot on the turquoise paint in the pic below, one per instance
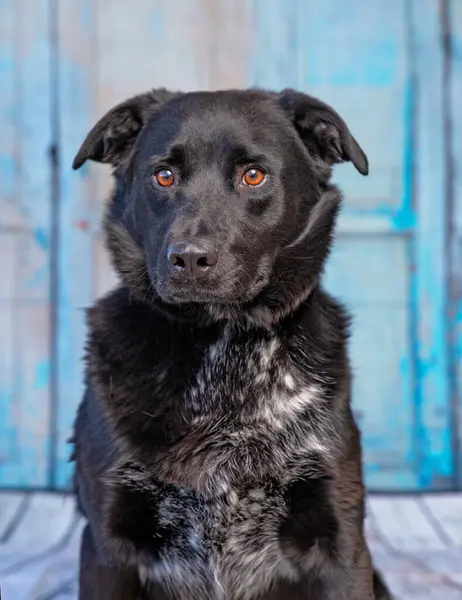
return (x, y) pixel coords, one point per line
(294, 44)
(454, 24)
(433, 397)
(401, 220)
(75, 259)
(41, 236)
(375, 68)
(273, 63)
(25, 179)
(343, 74)
(316, 28)
(42, 375)
(7, 60)
(34, 125)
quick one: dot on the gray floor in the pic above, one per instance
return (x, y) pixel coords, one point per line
(416, 541)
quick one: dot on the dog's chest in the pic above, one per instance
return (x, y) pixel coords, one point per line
(248, 414)
(227, 549)
(218, 498)
(251, 379)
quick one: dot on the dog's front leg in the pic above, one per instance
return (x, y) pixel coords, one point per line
(325, 545)
(352, 582)
(101, 582)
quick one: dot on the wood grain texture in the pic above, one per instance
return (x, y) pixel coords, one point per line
(405, 545)
(454, 130)
(404, 524)
(433, 426)
(446, 510)
(354, 56)
(394, 72)
(25, 205)
(45, 523)
(75, 81)
(11, 505)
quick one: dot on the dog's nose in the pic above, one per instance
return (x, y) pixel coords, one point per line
(193, 260)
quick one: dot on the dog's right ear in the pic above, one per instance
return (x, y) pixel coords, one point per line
(113, 136)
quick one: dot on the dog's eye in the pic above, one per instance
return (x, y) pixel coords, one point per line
(253, 177)
(164, 177)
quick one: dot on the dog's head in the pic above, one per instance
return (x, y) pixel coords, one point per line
(222, 206)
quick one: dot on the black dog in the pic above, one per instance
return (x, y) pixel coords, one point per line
(217, 455)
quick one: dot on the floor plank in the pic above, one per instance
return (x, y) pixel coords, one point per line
(403, 524)
(12, 505)
(49, 576)
(47, 519)
(415, 541)
(447, 510)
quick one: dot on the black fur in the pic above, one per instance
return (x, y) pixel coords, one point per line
(217, 457)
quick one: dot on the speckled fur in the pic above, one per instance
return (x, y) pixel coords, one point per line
(217, 457)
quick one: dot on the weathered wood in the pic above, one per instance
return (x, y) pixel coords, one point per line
(446, 510)
(25, 220)
(453, 38)
(433, 425)
(403, 525)
(388, 80)
(48, 574)
(46, 522)
(12, 506)
(405, 547)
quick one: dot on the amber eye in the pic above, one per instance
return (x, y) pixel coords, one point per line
(164, 177)
(253, 177)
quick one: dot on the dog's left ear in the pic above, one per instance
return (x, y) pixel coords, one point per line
(113, 136)
(323, 130)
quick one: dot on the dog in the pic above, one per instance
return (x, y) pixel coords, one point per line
(217, 457)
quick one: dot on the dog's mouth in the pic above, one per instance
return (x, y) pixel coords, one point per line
(198, 295)
(230, 291)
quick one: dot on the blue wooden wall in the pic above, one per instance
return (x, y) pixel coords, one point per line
(392, 69)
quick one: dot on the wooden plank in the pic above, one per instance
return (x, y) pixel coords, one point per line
(11, 504)
(453, 25)
(403, 525)
(386, 255)
(413, 573)
(354, 54)
(32, 414)
(7, 394)
(381, 371)
(383, 376)
(434, 417)
(76, 73)
(43, 526)
(227, 30)
(409, 581)
(412, 570)
(273, 61)
(447, 511)
(446, 563)
(9, 214)
(47, 575)
(25, 193)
